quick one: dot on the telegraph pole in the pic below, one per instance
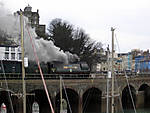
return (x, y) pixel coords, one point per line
(23, 69)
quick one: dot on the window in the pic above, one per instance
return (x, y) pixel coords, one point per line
(13, 56)
(6, 48)
(13, 69)
(12, 49)
(6, 56)
(19, 49)
(19, 56)
(34, 22)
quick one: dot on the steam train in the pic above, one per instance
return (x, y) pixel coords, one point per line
(52, 69)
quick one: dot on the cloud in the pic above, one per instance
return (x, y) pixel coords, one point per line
(130, 17)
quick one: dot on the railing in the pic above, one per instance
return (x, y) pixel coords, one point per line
(46, 76)
(66, 76)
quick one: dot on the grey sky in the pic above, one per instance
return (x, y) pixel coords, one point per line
(129, 17)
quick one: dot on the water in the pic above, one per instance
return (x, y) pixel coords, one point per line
(138, 111)
(131, 111)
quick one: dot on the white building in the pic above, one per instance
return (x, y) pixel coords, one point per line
(10, 52)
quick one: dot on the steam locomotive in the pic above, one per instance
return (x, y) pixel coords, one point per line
(52, 69)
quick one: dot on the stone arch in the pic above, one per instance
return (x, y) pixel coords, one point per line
(143, 87)
(144, 96)
(39, 96)
(7, 90)
(75, 89)
(89, 87)
(91, 100)
(33, 87)
(72, 99)
(141, 83)
(127, 98)
(124, 85)
(9, 100)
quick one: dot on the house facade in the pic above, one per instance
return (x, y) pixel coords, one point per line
(33, 19)
(10, 52)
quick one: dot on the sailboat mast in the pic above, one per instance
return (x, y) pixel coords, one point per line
(112, 92)
(61, 106)
(23, 70)
(108, 77)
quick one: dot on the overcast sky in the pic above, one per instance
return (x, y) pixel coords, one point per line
(131, 18)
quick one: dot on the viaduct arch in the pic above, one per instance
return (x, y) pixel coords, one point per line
(79, 88)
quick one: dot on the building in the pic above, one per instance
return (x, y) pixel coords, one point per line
(33, 18)
(142, 61)
(10, 52)
(10, 58)
(105, 63)
(125, 61)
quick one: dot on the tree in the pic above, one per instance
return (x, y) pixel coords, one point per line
(85, 48)
(80, 40)
(73, 40)
(61, 33)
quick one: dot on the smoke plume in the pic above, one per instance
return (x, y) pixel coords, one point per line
(46, 50)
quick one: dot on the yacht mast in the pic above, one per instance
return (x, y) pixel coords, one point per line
(61, 106)
(108, 78)
(112, 92)
(23, 69)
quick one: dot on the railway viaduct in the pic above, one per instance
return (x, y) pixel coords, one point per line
(84, 95)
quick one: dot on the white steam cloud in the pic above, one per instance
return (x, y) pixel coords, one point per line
(46, 50)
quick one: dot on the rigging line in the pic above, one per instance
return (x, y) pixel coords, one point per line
(130, 93)
(117, 43)
(119, 95)
(127, 82)
(41, 73)
(87, 101)
(67, 96)
(115, 76)
(11, 105)
(29, 101)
